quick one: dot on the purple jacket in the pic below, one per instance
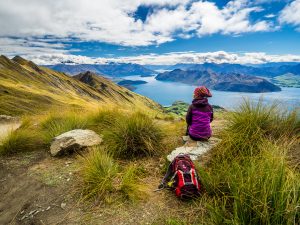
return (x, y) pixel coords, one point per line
(199, 117)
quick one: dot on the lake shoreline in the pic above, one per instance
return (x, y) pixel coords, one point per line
(165, 93)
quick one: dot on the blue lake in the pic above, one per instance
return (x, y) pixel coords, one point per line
(166, 93)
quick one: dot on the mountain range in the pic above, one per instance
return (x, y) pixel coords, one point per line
(110, 69)
(28, 88)
(267, 70)
(220, 81)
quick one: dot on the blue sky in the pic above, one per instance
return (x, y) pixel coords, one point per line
(151, 31)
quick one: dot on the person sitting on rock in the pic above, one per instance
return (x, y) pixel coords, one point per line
(200, 115)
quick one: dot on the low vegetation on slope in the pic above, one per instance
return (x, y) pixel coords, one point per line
(133, 135)
(248, 179)
(22, 140)
(56, 123)
(28, 88)
(104, 179)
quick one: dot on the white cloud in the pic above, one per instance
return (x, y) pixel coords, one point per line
(171, 58)
(291, 14)
(270, 16)
(23, 46)
(112, 21)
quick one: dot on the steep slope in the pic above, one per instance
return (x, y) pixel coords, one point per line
(222, 82)
(110, 89)
(111, 69)
(28, 88)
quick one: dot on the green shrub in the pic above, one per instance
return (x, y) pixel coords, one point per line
(21, 140)
(132, 136)
(56, 124)
(98, 173)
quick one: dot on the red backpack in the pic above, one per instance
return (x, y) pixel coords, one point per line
(186, 183)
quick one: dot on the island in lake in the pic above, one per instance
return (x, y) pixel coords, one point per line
(130, 84)
(235, 82)
(180, 108)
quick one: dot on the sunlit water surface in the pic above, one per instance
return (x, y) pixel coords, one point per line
(166, 93)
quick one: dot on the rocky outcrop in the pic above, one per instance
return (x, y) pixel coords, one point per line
(74, 140)
(194, 149)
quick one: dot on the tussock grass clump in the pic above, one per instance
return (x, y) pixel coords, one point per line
(251, 125)
(130, 186)
(104, 118)
(262, 190)
(133, 135)
(21, 140)
(56, 124)
(248, 178)
(98, 173)
(104, 180)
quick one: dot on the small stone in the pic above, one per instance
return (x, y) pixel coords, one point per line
(32, 212)
(25, 216)
(49, 207)
(63, 205)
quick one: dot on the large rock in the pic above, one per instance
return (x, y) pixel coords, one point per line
(194, 149)
(74, 140)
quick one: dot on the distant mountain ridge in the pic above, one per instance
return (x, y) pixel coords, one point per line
(110, 69)
(28, 88)
(268, 70)
(220, 81)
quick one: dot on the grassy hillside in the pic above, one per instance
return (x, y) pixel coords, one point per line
(28, 88)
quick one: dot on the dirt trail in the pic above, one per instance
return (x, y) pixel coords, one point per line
(27, 194)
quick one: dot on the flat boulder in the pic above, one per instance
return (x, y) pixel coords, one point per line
(193, 148)
(74, 140)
